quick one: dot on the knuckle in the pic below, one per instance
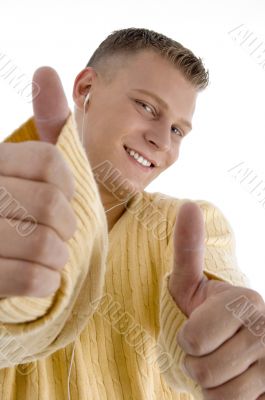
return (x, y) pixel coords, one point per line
(51, 200)
(63, 256)
(43, 241)
(50, 152)
(72, 221)
(40, 281)
(255, 298)
(50, 159)
(31, 281)
(71, 186)
(50, 247)
(74, 225)
(54, 164)
(214, 394)
(202, 374)
(193, 343)
(50, 284)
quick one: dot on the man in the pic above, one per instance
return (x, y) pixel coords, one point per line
(140, 297)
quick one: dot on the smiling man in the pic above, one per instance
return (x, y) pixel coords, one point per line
(147, 106)
(151, 303)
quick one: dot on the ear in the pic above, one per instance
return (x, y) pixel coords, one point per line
(82, 86)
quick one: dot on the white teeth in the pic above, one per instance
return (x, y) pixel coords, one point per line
(138, 158)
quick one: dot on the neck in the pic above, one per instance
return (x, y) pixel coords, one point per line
(113, 208)
(114, 214)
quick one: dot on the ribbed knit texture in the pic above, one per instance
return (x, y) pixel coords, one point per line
(113, 303)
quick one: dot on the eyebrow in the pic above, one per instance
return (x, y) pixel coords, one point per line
(163, 104)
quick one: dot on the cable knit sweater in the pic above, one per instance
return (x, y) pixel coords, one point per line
(113, 315)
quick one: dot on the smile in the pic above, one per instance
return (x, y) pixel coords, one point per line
(138, 160)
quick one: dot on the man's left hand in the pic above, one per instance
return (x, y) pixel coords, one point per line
(224, 336)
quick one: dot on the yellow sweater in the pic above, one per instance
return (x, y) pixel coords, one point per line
(113, 312)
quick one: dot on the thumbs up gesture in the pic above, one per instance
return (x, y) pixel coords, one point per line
(224, 336)
(36, 187)
(50, 106)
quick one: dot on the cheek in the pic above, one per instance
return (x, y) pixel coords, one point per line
(172, 157)
(116, 123)
(127, 118)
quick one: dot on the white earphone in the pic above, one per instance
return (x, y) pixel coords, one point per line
(86, 99)
(72, 356)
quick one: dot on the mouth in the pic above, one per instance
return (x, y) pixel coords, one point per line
(145, 168)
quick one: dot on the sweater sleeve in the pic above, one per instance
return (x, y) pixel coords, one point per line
(31, 327)
(220, 264)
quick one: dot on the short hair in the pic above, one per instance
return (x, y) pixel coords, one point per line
(125, 42)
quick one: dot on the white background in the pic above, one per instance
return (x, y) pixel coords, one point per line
(229, 126)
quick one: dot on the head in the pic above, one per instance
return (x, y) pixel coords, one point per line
(143, 88)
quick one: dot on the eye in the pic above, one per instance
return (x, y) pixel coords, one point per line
(146, 106)
(153, 111)
(178, 130)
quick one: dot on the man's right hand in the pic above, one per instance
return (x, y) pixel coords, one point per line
(36, 176)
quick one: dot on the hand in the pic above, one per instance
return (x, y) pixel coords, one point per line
(224, 336)
(35, 176)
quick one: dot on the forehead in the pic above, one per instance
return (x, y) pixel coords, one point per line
(149, 71)
(149, 67)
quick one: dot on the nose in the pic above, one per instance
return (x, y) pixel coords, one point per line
(159, 137)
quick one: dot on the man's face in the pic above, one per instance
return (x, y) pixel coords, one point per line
(120, 116)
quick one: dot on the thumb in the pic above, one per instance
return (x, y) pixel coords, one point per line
(50, 107)
(187, 274)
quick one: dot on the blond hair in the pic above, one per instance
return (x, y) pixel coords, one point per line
(126, 42)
